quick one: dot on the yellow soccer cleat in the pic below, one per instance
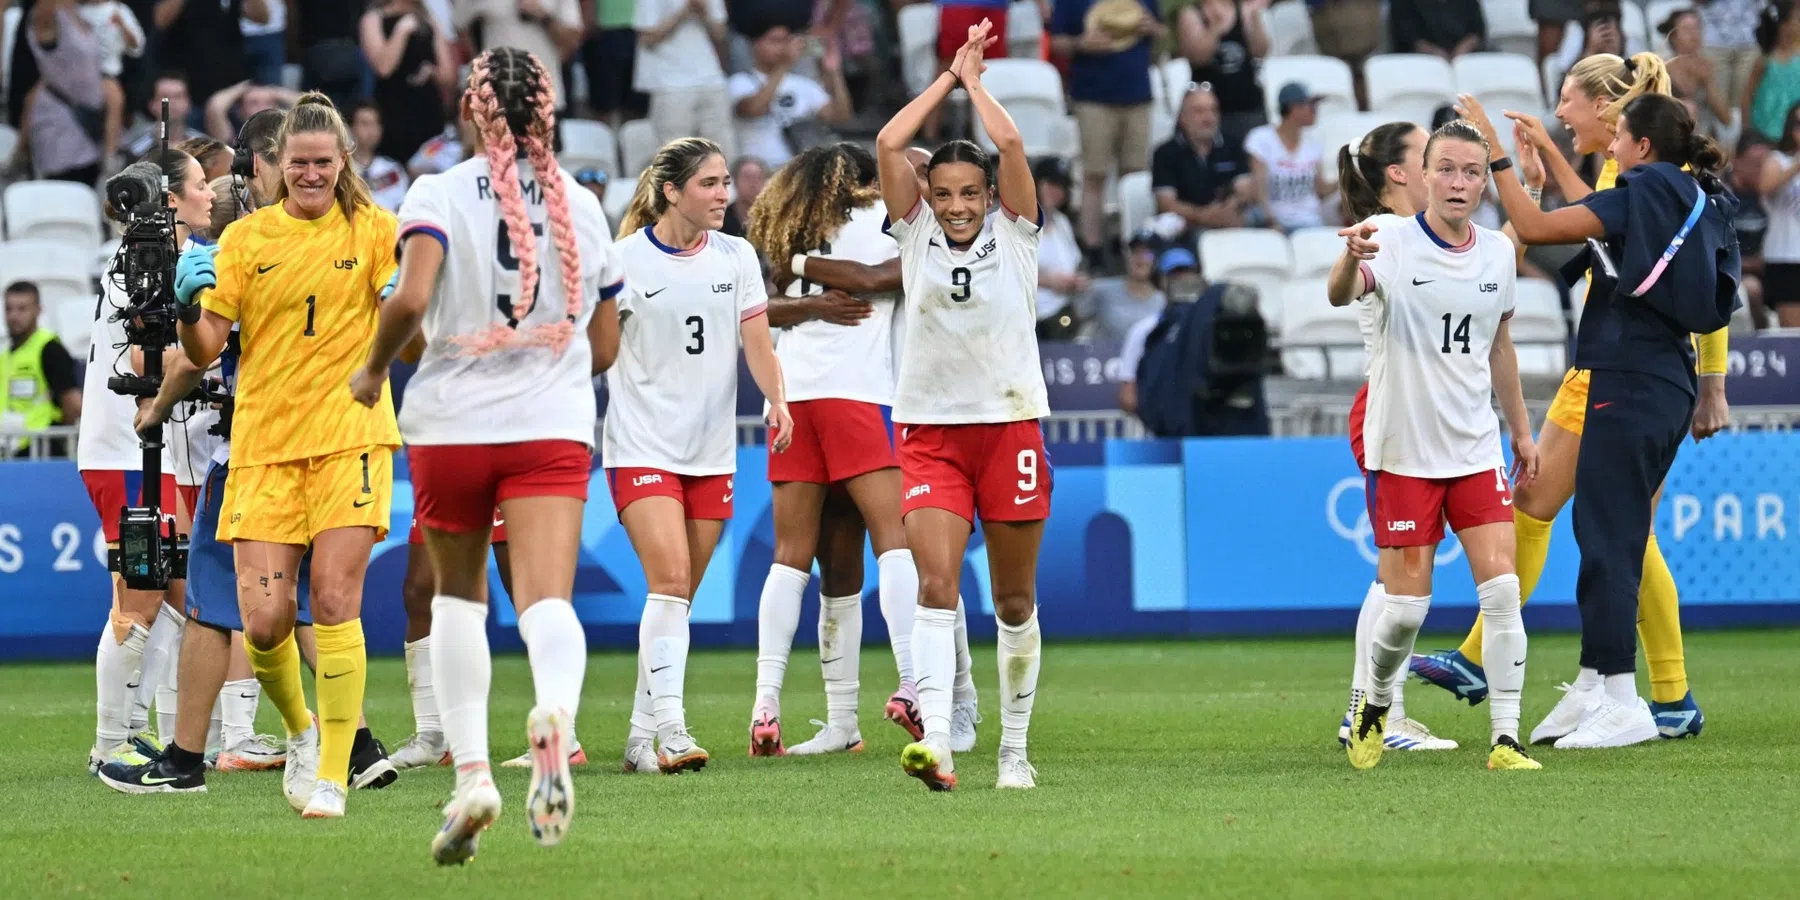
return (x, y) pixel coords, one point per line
(1507, 754)
(1368, 731)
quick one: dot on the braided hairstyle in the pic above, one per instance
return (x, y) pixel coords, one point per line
(809, 199)
(513, 106)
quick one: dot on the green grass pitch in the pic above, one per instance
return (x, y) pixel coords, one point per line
(1166, 769)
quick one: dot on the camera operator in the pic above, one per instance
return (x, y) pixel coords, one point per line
(1198, 369)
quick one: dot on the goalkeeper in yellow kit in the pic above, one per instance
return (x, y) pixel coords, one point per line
(310, 467)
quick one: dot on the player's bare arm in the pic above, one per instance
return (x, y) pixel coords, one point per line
(1503, 364)
(850, 277)
(765, 370)
(1346, 281)
(603, 334)
(400, 314)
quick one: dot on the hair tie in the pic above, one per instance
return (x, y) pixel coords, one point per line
(1630, 66)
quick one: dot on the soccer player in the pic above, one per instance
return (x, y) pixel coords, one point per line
(1643, 384)
(1593, 96)
(969, 396)
(311, 467)
(669, 443)
(1439, 290)
(502, 411)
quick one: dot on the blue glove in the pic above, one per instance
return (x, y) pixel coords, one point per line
(194, 272)
(387, 290)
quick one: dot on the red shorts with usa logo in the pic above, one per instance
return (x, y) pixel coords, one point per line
(834, 441)
(996, 471)
(456, 487)
(1410, 512)
(701, 496)
(111, 490)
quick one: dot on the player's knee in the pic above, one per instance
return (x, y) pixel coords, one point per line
(416, 594)
(1014, 607)
(669, 584)
(937, 590)
(1536, 502)
(1406, 612)
(840, 581)
(794, 554)
(264, 632)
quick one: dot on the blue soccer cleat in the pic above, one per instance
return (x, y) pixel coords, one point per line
(1453, 672)
(1679, 719)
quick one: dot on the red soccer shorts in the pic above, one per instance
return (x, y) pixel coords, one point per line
(954, 22)
(834, 441)
(457, 486)
(701, 496)
(1410, 512)
(111, 490)
(996, 471)
(415, 536)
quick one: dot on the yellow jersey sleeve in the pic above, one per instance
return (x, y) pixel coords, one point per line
(235, 249)
(383, 243)
(1714, 349)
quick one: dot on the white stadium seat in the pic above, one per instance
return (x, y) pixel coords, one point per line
(1290, 29)
(588, 143)
(1408, 86)
(1169, 82)
(637, 145)
(53, 210)
(1632, 21)
(1326, 77)
(8, 31)
(1137, 203)
(1257, 256)
(64, 275)
(1315, 250)
(1032, 91)
(1502, 82)
(1024, 30)
(918, 26)
(1308, 318)
(1337, 130)
(1509, 26)
(1538, 323)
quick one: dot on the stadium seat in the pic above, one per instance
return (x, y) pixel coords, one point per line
(1169, 82)
(618, 196)
(1509, 26)
(1137, 203)
(589, 143)
(918, 26)
(1539, 327)
(1032, 91)
(1655, 13)
(1635, 25)
(1339, 129)
(1024, 30)
(1315, 250)
(64, 274)
(9, 28)
(1408, 86)
(1257, 256)
(53, 210)
(1502, 82)
(1327, 77)
(637, 145)
(1290, 30)
(1319, 341)
(292, 75)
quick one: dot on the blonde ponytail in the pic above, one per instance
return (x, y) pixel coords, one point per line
(315, 114)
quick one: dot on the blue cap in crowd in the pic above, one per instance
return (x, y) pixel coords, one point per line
(1176, 258)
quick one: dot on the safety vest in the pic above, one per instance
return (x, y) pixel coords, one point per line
(29, 405)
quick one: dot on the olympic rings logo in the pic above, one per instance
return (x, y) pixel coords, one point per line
(1362, 533)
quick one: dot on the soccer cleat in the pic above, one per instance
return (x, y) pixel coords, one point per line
(302, 769)
(1368, 733)
(1569, 712)
(327, 801)
(1679, 719)
(1411, 734)
(577, 757)
(157, 776)
(765, 732)
(1612, 724)
(1356, 695)
(903, 710)
(1015, 772)
(146, 745)
(963, 719)
(1454, 672)
(640, 759)
(551, 799)
(123, 754)
(830, 739)
(421, 750)
(930, 764)
(1507, 754)
(469, 813)
(680, 754)
(370, 768)
(256, 753)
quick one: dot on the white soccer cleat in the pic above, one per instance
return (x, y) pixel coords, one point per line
(327, 801)
(640, 759)
(1015, 772)
(577, 757)
(1411, 734)
(1576, 703)
(551, 799)
(469, 813)
(427, 748)
(830, 739)
(679, 753)
(963, 719)
(1613, 724)
(256, 753)
(301, 773)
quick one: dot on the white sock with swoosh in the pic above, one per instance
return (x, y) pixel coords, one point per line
(1503, 645)
(1020, 650)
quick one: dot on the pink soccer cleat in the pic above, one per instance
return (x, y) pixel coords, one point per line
(903, 710)
(765, 733)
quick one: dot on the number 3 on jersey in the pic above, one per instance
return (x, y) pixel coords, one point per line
(503, 253)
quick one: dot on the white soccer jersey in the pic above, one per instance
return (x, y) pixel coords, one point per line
(672, 394)
(850, 362)
(104, 440)
(1435, 310)
(971, 353)
(188, 446)
(510, 395)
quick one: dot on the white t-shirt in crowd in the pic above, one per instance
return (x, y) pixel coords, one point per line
(971, 353)
(1781, 243)
(509, 395)
(672, 394)
(1293, 176)
(1058, 254)
(387, 182)
(437, 155)
(797, 99)
(1131, 352)
(686, 59)
(851, 362)
(1435, 309)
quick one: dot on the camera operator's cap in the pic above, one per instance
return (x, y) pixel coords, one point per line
(590, 175)
(1175, 259)
(1293, 94)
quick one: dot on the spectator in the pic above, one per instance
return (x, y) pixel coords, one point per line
(1062, 285)
(414, 74)
(1775, 80)
(330, 54)
(955, 18)
(1694, 74)
(1552, 18)
(120, 35)
(1443, 28)
(771, 101)
(608, 56)
(547, 29)
(1223, 41)
(1178, 279)
(1284, 162)
(1730, 42)
(1350, 30)
(679, 42)
(142, 138)
(594, 181)
(386, 178)
(1120, 304)
(66, 123)
(209, 35)
(1108, 44)
(1601, 31)
(36, 369)
(265, 43)
(1198, 175)
(228, 109)
(1780, 193)
(748, 176)
(1751, 222)
(449, 147)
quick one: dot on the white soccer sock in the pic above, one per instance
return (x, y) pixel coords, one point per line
(1397, 708)
(934, 662)
(418, 678)
(1020, 650)
(1372, 603)
(237, 711)
(777, 617)
(557, 648)
(462, 671)
(643, 720)
(964, 692)
(165, 637)
(1503, 645)
(1391, 644)
(116, 664)
(840, 653)
(662, 651)
(898, 581)
(214, 728)
(168, 685)
(1621, 687)
(1589, 678)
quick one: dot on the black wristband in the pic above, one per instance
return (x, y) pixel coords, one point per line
(1500, 165)
(190, 315)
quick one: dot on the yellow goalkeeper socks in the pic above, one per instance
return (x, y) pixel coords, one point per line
(278, 671)
(343, 673)
(1533, 537)
(1659, 627)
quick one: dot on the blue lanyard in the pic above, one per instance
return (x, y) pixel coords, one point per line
(1674, 246)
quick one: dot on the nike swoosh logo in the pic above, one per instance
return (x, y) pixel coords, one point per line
(649, 294)
(359, 504)
(1024, 695)
(1603, 405)
(934, 243)
(263, 269)
(1519, 663)
(132, 686)
(149, 780)
(1021, 501)
(248, 696)
(1417, 282)
(654, 671)
(827, 662)
(329, 676)
(728, 498)
(1505, 501)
